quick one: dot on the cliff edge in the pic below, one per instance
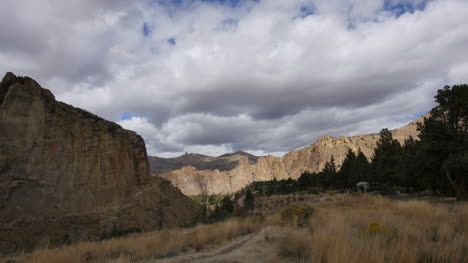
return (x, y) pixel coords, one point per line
(66, 171)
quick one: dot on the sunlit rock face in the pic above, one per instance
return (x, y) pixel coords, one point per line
(64, 169)
(193, 181)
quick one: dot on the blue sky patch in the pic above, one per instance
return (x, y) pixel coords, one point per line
(232, 3)
(127, 116)
(307, 10)
(179, 3)
(146, 30)
(169, 2)
(400, 8)
(417, 115)
(172, 41)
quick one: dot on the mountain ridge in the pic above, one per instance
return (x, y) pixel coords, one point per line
(194, 179)
(223, 162)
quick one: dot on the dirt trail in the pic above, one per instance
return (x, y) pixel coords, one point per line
(249, 249)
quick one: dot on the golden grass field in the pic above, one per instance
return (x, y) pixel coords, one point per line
(373, 229)
(343, 228)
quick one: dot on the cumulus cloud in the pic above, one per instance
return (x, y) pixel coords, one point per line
(263, 76)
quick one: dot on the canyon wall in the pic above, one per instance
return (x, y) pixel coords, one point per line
(65, 171)
(193, 181)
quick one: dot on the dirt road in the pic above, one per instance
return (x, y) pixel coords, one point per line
(252, 248)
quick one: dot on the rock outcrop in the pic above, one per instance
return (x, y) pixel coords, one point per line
(193, 181)
(65, 171)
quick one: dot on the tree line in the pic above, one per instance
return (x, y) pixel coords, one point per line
(438, 160)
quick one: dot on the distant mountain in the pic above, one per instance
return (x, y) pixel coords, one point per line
(65, 172)
(229, 173)
(241, 153)
(224, 162)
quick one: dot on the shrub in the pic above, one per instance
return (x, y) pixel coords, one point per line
(117, 232)
(297, 212)
(199, 217)
(249, 200)
(227, 204)
(222, 212)
(374, 229)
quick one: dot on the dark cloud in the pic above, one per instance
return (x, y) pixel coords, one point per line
(263, 76)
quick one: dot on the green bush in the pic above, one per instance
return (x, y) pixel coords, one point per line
(249, 201)
(199, 217)
(297, 212)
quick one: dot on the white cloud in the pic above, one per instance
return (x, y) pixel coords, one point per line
(458, 74)
(262, 77)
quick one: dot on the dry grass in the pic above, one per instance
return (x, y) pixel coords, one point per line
(372, 229)
(146, 246)
(343, 228)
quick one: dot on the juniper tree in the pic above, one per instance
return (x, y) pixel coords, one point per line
(444, 141)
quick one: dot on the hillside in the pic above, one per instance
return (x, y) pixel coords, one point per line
(196, 178)
(65, 172)
(224, 162)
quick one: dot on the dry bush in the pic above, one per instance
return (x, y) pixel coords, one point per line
(297, 215)
(373, 229)
(145, 246)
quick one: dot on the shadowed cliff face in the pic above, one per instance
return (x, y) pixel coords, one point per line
(224, 162)
(64, 169)
(193, 180)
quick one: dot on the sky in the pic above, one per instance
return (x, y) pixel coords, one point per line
(220, 76)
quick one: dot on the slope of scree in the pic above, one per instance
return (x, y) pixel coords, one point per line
(65, 172)
(196, 180)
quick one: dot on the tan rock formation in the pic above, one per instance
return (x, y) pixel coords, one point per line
(64, 171)
(312, 158)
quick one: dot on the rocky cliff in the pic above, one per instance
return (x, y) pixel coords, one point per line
(65, 171)
(194, 181)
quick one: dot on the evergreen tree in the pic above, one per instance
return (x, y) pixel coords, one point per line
(353, 170)
(222, 211)
(361, 166)
(307, 180)
(249, 200)
(444, 142)
(227, 205)
(386, 159)
(410, 166)
(329, 173)
(348, 170)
